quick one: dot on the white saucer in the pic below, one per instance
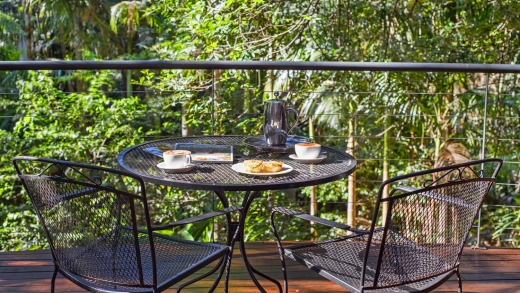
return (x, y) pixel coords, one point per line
(239, 167)
(167, 169)
(308, 161)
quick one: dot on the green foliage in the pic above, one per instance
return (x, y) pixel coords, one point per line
(401, 119)
(88, 127)
(53, 119)
(505, 219)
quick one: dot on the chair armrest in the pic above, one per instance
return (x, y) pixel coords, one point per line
(197, 218)
(406, 188)
(432, 194)
(308, 217)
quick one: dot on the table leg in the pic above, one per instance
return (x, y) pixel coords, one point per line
(232, 227)
(246, 203)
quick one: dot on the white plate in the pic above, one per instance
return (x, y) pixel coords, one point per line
(167, 169)
(239, 167)
(308, 161)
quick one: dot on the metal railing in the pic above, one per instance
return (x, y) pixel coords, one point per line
(489, 72)
(260, 65)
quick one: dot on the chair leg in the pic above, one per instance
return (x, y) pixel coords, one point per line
(281, 252)
(228, 268)
(219, 276)
(460, 281)
(236, 234)
(53, 280)
(225, 262)
(213, 270)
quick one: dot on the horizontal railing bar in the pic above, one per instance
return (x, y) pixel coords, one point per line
(309, 92)
(259, 65)
(398, 115)
(358, 159)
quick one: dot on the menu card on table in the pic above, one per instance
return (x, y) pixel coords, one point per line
(201, 153)
(208, 153)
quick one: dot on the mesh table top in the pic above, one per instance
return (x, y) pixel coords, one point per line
(221, 177)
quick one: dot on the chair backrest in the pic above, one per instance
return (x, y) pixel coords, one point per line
(424, 222)
(96, 219)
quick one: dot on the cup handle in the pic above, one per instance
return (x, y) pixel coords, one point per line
(188, 160)
(296, 116)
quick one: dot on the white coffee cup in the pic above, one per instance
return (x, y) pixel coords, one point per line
(177, 158)
(307, 150)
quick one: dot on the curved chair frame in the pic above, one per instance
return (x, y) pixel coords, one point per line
(417, 245)
(100, 233)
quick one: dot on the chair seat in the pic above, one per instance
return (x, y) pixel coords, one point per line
(341, 261)
(420, 223)
(97, 222)
(105, 265)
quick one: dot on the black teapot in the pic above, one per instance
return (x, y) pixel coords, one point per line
(276, 122)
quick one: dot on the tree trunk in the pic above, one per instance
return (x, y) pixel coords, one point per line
(25, 43)
(313, 201)
(385, 165)
(216, 100)
(129, 90)
(185, 131)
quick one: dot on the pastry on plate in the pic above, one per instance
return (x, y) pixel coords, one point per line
(272, 166)
(253, 166)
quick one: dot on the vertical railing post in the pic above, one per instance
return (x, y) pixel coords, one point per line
(483, 150)
(213, 100)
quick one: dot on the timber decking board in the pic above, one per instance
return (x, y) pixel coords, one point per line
(495, 270)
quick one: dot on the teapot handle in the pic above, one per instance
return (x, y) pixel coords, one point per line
(296, 115)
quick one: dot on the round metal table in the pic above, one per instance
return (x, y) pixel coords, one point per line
(221, 177)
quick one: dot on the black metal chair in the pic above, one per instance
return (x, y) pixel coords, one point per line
(415, 246)
(98, 226)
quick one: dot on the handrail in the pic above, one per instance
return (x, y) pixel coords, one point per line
(260, 65)
(427, 67)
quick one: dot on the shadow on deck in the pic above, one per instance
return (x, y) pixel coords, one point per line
(491, 270)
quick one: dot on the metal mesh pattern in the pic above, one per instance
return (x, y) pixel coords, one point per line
(220, 176)
(433, 225)
(172, 258)
(86, 231)
(421, 239)
(98, 231)
(343, 258)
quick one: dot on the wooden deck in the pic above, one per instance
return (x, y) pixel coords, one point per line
(491, 270)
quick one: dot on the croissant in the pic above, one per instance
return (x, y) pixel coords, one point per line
(272, 166)
(253, 166)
